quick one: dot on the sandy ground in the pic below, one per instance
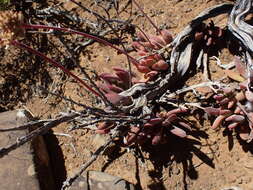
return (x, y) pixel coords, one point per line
(211, 162)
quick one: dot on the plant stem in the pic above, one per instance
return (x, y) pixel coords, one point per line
(32, 26)
(151, 22)
(111, 27)
(56, 64)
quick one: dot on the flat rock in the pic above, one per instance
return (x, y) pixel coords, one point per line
(18, 168)
(95, 180)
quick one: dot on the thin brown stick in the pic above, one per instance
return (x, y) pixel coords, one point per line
(40, 131)
(83, 167)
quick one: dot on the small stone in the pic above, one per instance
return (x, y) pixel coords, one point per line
(31, 170)
(232, 188)
(188, 10)
(239, 181)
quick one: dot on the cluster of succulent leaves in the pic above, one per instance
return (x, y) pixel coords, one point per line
(161, 123)
(234, 104)
(227, 112)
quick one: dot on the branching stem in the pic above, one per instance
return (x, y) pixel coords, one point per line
(56, 64)
(34, 26)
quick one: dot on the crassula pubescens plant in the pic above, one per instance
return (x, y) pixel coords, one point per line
(233, 108)
(162, 123)
(235, 104)
(151, 63)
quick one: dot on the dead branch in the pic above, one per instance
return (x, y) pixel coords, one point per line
(93, 158)
(243, 32)
(39, 131)
(26, 125)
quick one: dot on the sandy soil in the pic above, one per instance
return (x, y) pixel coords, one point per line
(213, 161)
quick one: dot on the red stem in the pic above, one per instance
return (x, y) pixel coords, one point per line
(32, 26)
(56, 64)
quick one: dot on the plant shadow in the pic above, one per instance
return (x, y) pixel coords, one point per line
(176, 150)
(231, 136)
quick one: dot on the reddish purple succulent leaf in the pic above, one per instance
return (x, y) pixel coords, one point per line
(147, 62)
(235, 118)
(216, 111)
(157, 138)
(170, 118)
(228, 90)
(240, 67)
(233, 125)
(183, 124)
(142, 53)
(155, 121)
(177, 110)
(158, 57)
(103, 131)
(103, 87)
(224, 101)
(218, 97)
(147, 45)
(132, 135)
(225, 112)
(218, 121)
(178, 132)
(249, 96)
(109, 77)
(157, 40)
(244, 136)
(161, 65)
(138, 46)
(148, 125)
(114, 88)
(124, 77)
(244, 85)
(114, 98)
(141, 36)
(212, 111)
(231, 103)
(167, 36)
(143, 69)
(151, 74)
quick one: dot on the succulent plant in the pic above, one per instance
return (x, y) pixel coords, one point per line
(235, 105)
(209, 34)
(151, 62)
(114, 84)
(161, 123)
(155, 129)
(158, 128)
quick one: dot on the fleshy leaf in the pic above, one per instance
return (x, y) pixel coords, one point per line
(178, 132)
(234, 75)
